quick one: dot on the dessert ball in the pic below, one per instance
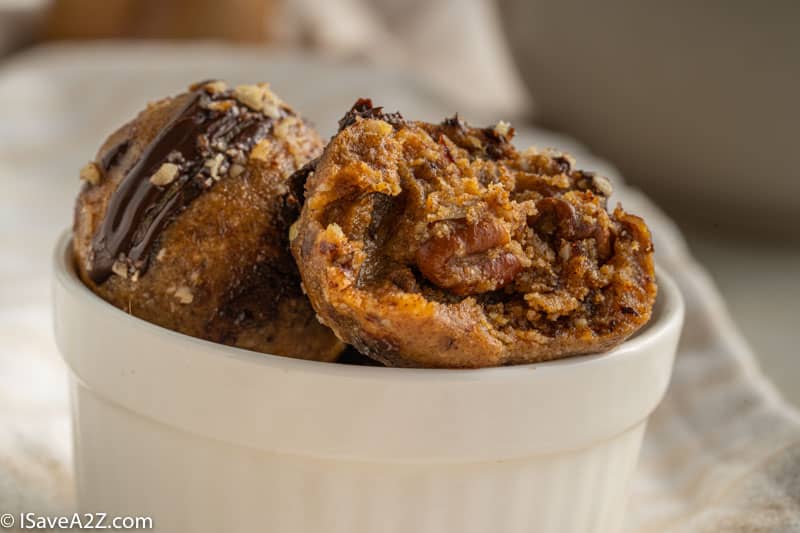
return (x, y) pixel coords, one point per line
(441, 245)
(184, 215)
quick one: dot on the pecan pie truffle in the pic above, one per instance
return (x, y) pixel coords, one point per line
(183, 220)
(441, 245)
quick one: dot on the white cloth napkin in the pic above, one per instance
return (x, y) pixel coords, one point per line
(722, 452)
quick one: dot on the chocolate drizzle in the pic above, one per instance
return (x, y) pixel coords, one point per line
(203, 140)
(111, 156)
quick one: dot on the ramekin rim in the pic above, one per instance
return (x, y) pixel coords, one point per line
(670, 300)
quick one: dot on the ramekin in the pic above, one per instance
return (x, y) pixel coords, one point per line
(207, 438)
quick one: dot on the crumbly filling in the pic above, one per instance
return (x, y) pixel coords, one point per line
(454, 213)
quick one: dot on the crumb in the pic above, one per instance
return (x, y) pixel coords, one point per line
(91, 174)
(165, 175)
(184, 295)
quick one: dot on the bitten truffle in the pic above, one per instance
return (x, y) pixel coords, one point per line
(442, 245)
(184, 215)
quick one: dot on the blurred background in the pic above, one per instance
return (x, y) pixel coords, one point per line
(694, 103)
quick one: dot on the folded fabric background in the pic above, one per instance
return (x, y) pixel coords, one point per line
(722, 452)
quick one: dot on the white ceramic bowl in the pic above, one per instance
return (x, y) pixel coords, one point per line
(208, 438)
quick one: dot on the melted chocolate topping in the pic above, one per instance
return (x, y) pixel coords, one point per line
(364, 109)
(203, 141)
(111, 156)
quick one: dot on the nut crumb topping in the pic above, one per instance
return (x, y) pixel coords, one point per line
(91, 174)
(165, 175)
(237, 155)
(221, 106)
(216, 87)
(259, 98)
(184, 295)
(120, 269)
(502, 128)
(603, 185)
(235, 170)
(214, 165)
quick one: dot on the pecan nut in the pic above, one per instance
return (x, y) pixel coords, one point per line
(468, 258)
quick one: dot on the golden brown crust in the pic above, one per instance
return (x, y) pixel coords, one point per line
(220, 269)
(443, 246)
